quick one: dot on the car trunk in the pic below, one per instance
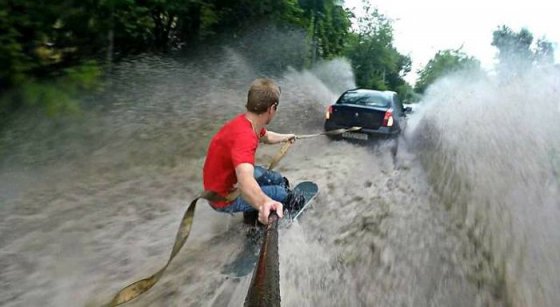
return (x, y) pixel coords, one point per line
(353, 115)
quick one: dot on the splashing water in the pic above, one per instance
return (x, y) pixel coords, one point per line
(491, 150)
(93, 204)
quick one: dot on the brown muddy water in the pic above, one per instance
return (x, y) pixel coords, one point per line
(467, 217)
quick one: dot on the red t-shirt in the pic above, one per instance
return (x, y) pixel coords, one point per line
(235, 143)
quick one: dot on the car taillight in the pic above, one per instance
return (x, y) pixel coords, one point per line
(388, 118)
(328, 113)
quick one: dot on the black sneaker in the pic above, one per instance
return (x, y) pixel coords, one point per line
(286, 183)
(294, 202)
(250, 218)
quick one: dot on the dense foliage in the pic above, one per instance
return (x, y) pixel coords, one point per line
(377, 63)
(73, 42)
(40, 40)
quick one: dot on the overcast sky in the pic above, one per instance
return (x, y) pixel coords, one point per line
(421, 28)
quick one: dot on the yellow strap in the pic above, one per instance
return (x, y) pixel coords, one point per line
(133, 290)
(281, 153)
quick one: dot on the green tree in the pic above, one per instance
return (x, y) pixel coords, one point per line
(45, 40)
(442, 64)
(24, 39)
(514, 49)
(517, 51)
(376, 62)
(328, 24)
(544, 53)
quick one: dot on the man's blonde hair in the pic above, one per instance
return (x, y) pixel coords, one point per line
(263, 93)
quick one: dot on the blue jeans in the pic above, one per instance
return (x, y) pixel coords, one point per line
(271, 183)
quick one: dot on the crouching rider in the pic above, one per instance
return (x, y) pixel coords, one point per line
(230, 160)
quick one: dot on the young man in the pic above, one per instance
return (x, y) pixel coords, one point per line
(231, 157)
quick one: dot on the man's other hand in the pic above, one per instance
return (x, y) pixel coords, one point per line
(267, 207)
(290, 138)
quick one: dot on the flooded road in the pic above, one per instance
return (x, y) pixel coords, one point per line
(89, 205)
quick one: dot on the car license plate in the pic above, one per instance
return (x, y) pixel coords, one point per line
(356, 136)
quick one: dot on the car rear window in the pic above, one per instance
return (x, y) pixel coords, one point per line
(372, 99)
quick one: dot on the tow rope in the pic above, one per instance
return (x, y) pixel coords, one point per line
(135, 289)
(330, 132)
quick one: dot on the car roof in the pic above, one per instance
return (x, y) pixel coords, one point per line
(386, 94)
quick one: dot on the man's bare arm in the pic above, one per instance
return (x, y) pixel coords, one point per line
(274, 138)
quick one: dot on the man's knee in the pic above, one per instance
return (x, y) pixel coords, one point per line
(276, 192)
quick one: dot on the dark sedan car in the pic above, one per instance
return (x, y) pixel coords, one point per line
(380, 114)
